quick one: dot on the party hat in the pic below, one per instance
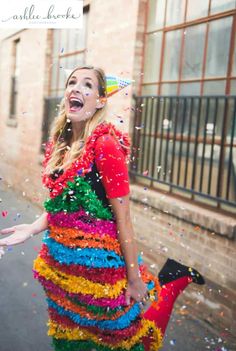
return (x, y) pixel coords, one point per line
(114, 84)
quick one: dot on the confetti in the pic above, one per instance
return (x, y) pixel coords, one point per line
(4, 213)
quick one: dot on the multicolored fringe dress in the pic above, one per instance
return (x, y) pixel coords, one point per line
(80, 264)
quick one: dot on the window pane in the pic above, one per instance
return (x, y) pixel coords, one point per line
(216, 87)
(233, 87)
(193, 54)
(81, 34)
(150, 89)
(54, 74)
(218, 47)
(175, 12)
(72, 40)
(156, 14)
(17, 58)
(234, 59)
(169, 89)
(68, 63)
(152, 57)
(64, 41)
(172, 55)
(190, 88)
(197, 9)
(56, 42)
(222, 5)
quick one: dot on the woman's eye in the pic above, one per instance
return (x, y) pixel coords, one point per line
(87, 84)
(71, 82)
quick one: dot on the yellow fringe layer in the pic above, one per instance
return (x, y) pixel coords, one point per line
(78, 285)
(59, 332)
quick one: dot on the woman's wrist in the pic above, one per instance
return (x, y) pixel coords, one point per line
(40, 224)
(134, 276)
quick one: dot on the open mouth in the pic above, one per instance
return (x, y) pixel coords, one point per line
(75, 104)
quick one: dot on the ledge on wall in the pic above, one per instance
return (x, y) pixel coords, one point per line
(189, 212)
(11, 122)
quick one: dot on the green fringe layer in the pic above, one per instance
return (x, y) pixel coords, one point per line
(78, 193)
(64, 345)
(96, 309)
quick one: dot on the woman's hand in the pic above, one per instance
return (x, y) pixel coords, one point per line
(137, 289)
(20, 233)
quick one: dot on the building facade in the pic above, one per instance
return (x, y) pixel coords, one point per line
(180, 112)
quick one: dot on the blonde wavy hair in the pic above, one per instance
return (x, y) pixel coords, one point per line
(61, 130)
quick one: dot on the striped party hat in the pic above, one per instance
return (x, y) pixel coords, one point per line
(114, 84)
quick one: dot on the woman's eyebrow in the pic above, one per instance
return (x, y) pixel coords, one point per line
(83, 78)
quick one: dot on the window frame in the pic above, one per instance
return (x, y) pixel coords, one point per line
(182, 26)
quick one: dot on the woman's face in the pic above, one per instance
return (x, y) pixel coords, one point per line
(81, 95)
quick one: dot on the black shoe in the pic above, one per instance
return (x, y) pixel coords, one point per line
(173, 270)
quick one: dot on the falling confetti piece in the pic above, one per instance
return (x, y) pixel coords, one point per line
(145, 173)
(172, 342)
(4, 213)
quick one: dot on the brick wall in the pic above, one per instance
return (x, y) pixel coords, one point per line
(20, 145)
(111, 43)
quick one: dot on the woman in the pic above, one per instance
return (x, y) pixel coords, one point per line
(98, 290)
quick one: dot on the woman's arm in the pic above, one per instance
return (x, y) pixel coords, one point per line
(40, 224)
(121, 209)
(111, 164)
(136, 287)
(22, 232)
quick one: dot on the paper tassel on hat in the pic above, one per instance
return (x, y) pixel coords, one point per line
(115, 84)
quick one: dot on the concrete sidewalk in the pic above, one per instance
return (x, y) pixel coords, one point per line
(23, 310)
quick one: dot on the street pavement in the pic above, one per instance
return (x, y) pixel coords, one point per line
(23, 310)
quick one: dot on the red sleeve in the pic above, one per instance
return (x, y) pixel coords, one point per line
(112, 167)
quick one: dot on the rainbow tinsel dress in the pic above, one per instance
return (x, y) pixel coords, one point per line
(81, 267)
